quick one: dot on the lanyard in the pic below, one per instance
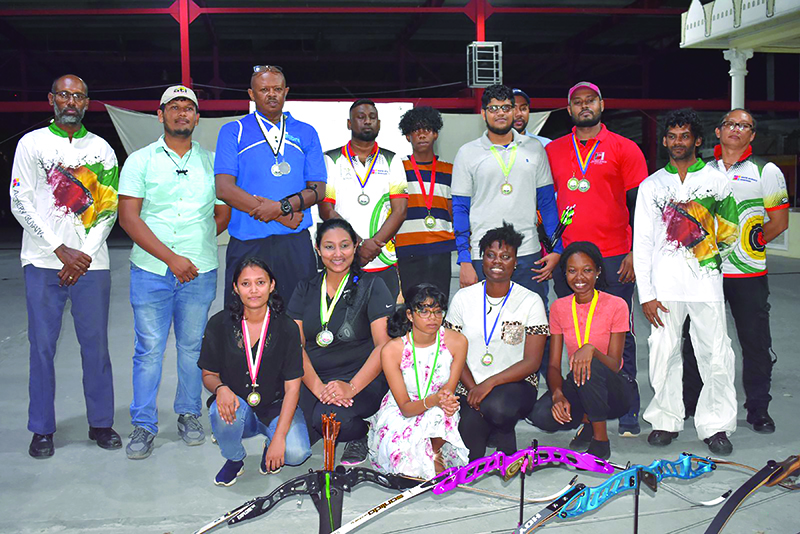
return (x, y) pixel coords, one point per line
(253, 363)
(426, 195)
(488, 339)
(350, 156)
(326, 311)
(433, 367)
(511, 159)
(588, 320)
(591, 147)
(275, 151)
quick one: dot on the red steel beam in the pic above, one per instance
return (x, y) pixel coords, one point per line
(184, 21)
(466, 103)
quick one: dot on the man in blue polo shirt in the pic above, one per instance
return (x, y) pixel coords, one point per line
(269, 168)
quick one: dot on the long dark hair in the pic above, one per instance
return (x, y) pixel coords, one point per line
(236, 307)
(591, 250)
(356, 273)
(399, 324)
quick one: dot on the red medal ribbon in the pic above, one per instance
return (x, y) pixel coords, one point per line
(347, 152)
(426, 195)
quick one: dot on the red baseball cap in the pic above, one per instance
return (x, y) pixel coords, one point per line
(587, 85)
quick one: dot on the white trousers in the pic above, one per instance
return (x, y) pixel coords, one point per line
(716, 407)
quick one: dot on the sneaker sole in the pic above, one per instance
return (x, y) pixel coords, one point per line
(193, 442)
(629, 434)
(232, 482)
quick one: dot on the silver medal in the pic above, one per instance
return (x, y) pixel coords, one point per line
(506, 188)
(325, 338)
(285, 168)
(363, 199)
(584, 185)
(276, 170)
(430, 222)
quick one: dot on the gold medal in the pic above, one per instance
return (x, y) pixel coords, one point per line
(506, 188)
(325, 338)
(487, 359)
(430, 222)
(254, 398)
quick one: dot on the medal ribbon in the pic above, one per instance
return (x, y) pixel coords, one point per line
(253, 364)
(350, 156)
(433, 368)
(488, 339)
(277, 151)
(583, 163)
(427, 196)
(326, 311)
(511, 159)
(588, 320)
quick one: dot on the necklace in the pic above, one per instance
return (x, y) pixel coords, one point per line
(178, 169)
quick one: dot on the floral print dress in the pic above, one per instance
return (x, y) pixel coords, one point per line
(402, 445)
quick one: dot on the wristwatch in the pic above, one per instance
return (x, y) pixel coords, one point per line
(286, 207)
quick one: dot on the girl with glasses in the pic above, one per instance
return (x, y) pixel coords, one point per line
(415, 432)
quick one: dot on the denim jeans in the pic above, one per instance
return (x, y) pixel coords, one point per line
(229, 437)
(159, 301)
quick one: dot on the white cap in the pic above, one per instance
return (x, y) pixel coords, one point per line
(178, 91)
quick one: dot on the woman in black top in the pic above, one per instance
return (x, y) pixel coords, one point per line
(342, 315)
(252, 362)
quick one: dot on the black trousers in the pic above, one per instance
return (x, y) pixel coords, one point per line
(499, 413)
(749, 301)
(604, 396)
(434, 269)
(365, 404)
(290, 257)
(389, 277)
(624, 291)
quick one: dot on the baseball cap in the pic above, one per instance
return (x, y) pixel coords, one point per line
(580, 85)
(523, 94)
(178, 91)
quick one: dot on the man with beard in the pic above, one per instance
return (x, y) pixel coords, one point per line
(497, 178)
(64, 194)
(269, 168)
(760, 189)
(169, 208)
(686, 220)
(598, 172)
(522, 114)
(367, 187)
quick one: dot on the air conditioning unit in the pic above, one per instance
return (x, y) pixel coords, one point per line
(484, 63)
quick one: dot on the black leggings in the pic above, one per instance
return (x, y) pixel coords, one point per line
(606, 395)
(499, 413)
(352, 418)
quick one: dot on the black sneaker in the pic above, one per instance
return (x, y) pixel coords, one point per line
(582, 440)
(355, 452)
(761, 421)
(601, 449)
(661, 438)
(42, 446)
(719, 444)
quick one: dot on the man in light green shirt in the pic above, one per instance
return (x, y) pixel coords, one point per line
(168, 206)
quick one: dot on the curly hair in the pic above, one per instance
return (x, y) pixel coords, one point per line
(499, 92)
(399, 323)
(504, 235)
(421, 118)
(591, 250)
(684, 117)
(235, 306)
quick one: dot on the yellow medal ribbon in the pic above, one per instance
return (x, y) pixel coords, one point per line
(326, 311)
(588, 320)
(350, 156)
(583, 162)
(506, 168)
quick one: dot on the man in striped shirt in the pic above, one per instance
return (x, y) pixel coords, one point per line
(425, 240)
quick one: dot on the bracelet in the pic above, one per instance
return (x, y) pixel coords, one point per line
(218, 386)
(352, 387)
(425, 405)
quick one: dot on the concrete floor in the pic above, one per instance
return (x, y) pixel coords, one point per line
(86, 489)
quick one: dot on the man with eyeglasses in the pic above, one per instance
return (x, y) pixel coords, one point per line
(760, 190)
(270, 169)
(168, 206)
(500, 177)
(367, 187)
(599, 173)
(64, 194)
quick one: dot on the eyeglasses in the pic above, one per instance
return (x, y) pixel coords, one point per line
(494, 109)
(426, 312)
(742, 126)
(267, 68)
(64, 96)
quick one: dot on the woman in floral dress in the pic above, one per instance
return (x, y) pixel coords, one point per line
(415, 431)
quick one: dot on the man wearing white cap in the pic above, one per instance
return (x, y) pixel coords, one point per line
(599, 173)
(169, 207)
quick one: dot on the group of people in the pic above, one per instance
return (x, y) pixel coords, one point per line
(434, 381)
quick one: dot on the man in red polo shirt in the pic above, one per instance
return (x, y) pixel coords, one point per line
(599, 172)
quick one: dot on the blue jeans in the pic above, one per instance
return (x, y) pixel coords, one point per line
(229, 437)
(46, 299)
(157, 302)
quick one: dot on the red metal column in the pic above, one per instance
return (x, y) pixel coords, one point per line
(186, 77)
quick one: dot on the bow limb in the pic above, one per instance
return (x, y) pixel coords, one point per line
(550, 511)
(307, 484)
